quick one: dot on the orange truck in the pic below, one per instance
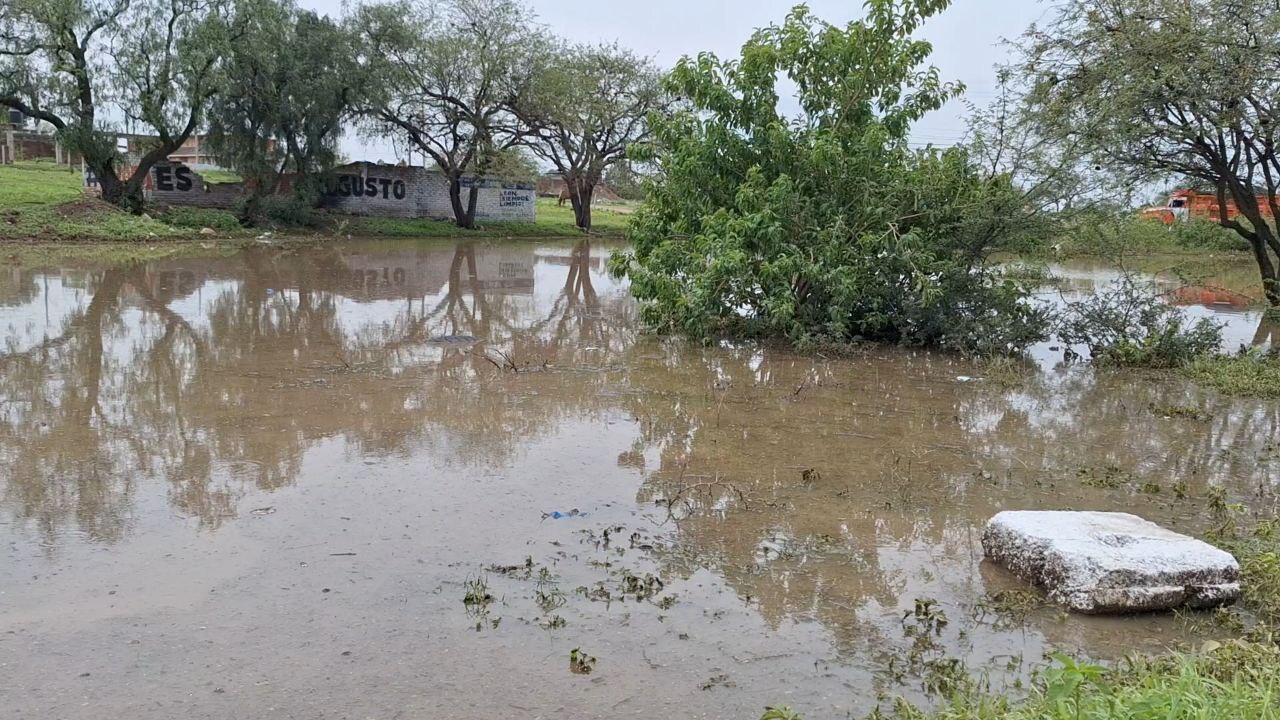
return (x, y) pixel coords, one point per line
(1186, 204)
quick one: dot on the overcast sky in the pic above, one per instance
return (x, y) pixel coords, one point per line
(966, 40)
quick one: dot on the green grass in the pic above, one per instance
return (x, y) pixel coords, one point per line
(1249, 374)
(1108, 236)
(220, 176)
(1223, 681)
(42, 201)
(115, 253)
(1258, 553)
(1236, 679)
(38, 184)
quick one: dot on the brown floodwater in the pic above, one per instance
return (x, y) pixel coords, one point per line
(263, 486)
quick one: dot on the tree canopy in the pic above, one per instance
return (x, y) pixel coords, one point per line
(1160, 89)
(586, 105)
(289, 90)
(449, 71)
(91, 68)
(826, 226)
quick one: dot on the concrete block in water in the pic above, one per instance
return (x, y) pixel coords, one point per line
(1107, 562)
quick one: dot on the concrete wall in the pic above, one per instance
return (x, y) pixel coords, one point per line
(359, 189)
(171, 183)
(176, 184)
(411, 192)
(17, 144)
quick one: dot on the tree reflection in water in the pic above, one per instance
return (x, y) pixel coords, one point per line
(215, 373)
(215, 377)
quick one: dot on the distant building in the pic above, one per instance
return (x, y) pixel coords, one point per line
(552, 185)
(195, 151)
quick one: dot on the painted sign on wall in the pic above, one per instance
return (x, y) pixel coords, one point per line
(361, 186)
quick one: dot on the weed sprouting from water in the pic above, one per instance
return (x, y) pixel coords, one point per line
(640, 587)
(549, 600)
(1005, 372)
(477, 597)
(1110, 476)
(1187, 412)
(581, 663)
(926, 619)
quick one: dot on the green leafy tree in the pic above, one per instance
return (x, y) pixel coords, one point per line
(826, 226)
(449, 71)
(1159, 89)
(90, 68)
(289, 90)
(584, 108)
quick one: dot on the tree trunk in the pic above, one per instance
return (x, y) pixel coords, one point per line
(581, 191)
(463, 217)
(1260, 235)
(473, 197)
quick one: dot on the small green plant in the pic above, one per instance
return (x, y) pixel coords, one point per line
(477, 596)
(581, 663)
(926, 619)
(1065, 683)
(780, 713)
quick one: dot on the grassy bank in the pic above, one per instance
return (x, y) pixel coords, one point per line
(42, 202)
(1235, 679)
(1248, 375)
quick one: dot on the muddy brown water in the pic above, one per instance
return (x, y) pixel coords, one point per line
(261, 486)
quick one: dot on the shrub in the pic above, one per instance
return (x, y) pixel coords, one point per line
(1130, 324)
(827, 228)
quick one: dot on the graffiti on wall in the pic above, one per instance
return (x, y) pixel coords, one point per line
(360, 186)
(512, 197)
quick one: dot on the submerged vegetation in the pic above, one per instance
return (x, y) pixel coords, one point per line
(1249, 373)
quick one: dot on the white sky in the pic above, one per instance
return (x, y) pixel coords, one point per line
(966, 39)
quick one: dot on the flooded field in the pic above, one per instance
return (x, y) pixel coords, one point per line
(411, 480)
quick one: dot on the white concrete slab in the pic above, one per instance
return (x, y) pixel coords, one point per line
(1104, 562)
